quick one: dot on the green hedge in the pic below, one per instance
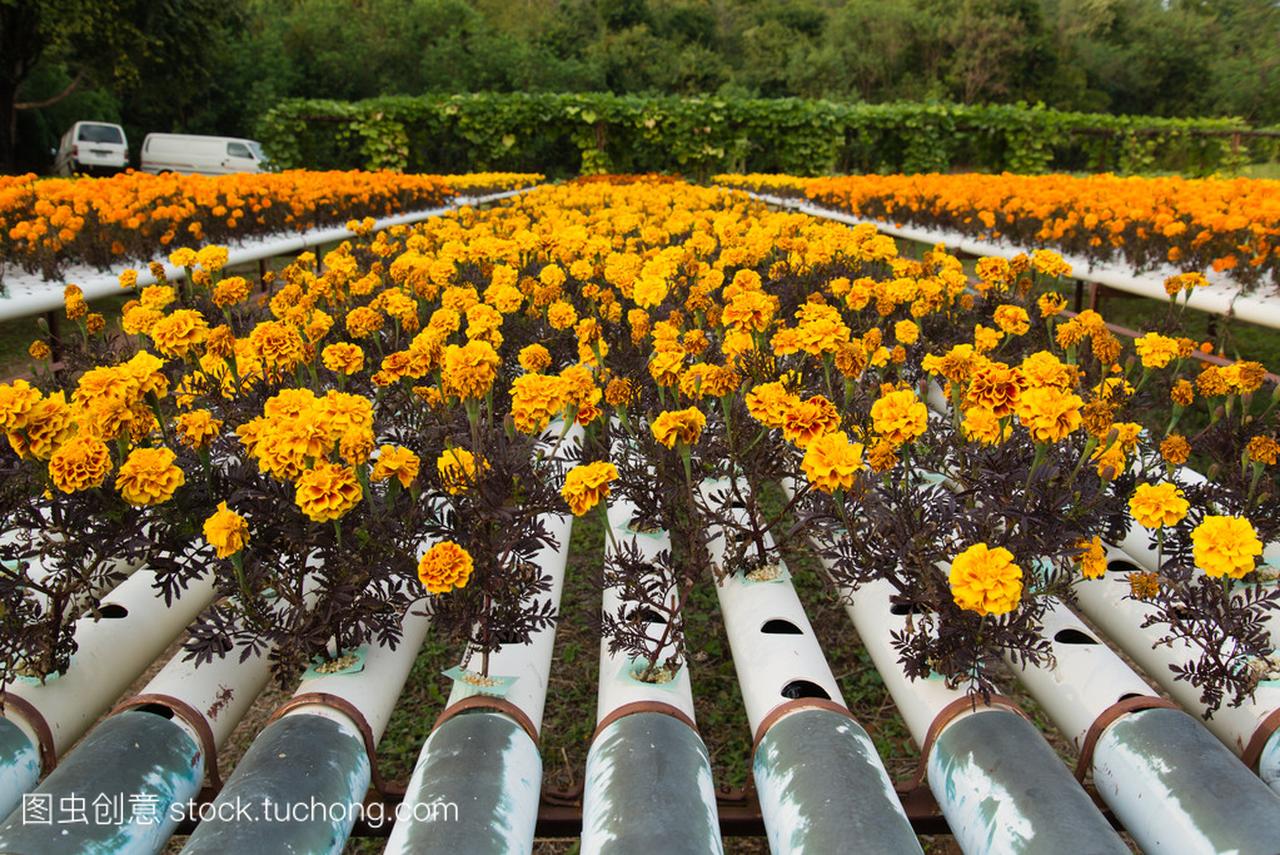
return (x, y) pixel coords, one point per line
(588, 133)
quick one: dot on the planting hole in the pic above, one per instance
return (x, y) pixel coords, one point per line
(778, 626)
(901, 609)
(804, 689)
(1127, 695)
(156, 709)
(113, 611)
(1073, 636)
(646, 616)
(1119, 565)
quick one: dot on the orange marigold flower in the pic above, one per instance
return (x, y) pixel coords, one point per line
(343, 358)
(805, 421)
(1092, 557)
(328, 491)
(197, 428)
(831, 462)
(1175, 449)
(396, 461)
(180, 333)
(1264, 449)
(446, 566)
(1049, 413)
(469, 370)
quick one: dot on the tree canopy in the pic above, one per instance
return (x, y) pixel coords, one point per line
(216, 65)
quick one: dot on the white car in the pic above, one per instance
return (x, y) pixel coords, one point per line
(92, 147)
(200, 155)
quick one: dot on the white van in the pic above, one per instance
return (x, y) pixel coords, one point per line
(202, 155)
(92, 147)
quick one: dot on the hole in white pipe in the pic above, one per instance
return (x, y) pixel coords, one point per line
(644, 615)
(804, 689)
(113, 611)
(778, 626)
(901, 609)
(1119, 565)
(156, 709)
(1073, 636)
(1127, 695)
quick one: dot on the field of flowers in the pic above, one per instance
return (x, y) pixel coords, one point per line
(49, 224)
(304, 442)
(1224, 225)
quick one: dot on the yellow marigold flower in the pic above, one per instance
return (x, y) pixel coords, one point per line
(536, 399)
(212, 257)
(445, 567)
(552, 276)
(183, 257)
(678, 426)
(457, 470)
(79, 464)
(561, 315)
(585, 485)
(805, 421)
(328, 491)
(899, 416)
(1183, 393)
(1092, 557)
(1143, 586)
(831, 462)
(396, 461)
(1212, 382)
(1156, 505)
(39, 350)
(17, 399)
(1225, 546)
(1264, 450)
(1012, 319)
(197, 428)
(882, 456)
(149, 476)
(1049, 413)
(986, 580)
(230, 291)
(343, 358)
(620, 392)
(1175, 449)
(226, 531)
(279, 345)
(534, 358)
(906, 332)
(469, 371)
(1051, 303)
(1049, 263)
(649, 291)
(995, 386)
(128, 278)
(1244, 376)
(179, 333)
(1155, 350)
(983, 425)
(362, 321)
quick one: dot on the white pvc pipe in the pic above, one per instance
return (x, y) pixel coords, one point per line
(1107, 604)
(1084, 679)
(1219, 297)
(616, 689)
(23, 297)
(112, 652)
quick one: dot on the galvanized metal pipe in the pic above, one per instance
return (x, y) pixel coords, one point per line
(114, 649)
(819, 778)
(646, 764)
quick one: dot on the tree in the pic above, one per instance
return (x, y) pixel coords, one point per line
(95, 39)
